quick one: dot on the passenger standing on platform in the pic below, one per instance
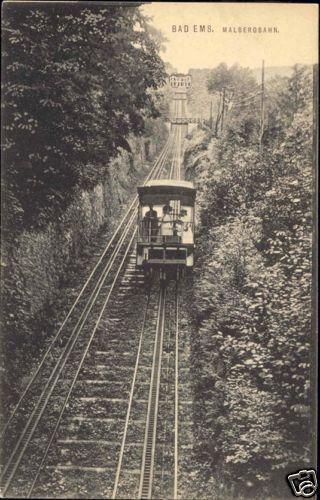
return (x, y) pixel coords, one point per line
(151, 224)
(166, 223)
(167, 208)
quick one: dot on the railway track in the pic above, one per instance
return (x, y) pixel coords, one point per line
(32, 435)
(73, 330)
(145, 487)
(166, 328)
(104, 264)
(139, 468)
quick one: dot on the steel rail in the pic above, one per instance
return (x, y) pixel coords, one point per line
(180, 159)
(176, 160)
(121, 453)
(176, 398)
(38, 410)
(174, 153)
(124, 436)
(76, 376)
(166, 400)
(65, 355)
(79, 368)
(146, 477)
(159, 161)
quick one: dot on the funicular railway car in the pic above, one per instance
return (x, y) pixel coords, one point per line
(165, 238)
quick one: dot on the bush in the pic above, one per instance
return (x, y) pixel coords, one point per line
(252, 298)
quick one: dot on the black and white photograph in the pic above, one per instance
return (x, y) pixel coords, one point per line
(159, 250)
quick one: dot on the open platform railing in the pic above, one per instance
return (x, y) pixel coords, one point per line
(174, 231)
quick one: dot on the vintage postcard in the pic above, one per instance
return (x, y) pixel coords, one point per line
(159, 250)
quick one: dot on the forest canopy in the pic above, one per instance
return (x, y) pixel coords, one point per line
(77, 81)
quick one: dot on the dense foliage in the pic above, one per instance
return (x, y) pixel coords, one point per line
(78, 79)
(232, 86)
(234, 80)
(253, 286)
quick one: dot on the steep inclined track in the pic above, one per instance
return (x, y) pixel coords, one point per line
(103, 264)
(138, 461)
(166, 330)
(96, 326)
(151, 424)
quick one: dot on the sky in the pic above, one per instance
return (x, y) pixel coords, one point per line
(296, 41)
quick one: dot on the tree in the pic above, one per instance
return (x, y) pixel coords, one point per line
(252, 295)
(77, 82)
(231, 84)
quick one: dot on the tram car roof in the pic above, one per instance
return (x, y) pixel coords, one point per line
(167, 187)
